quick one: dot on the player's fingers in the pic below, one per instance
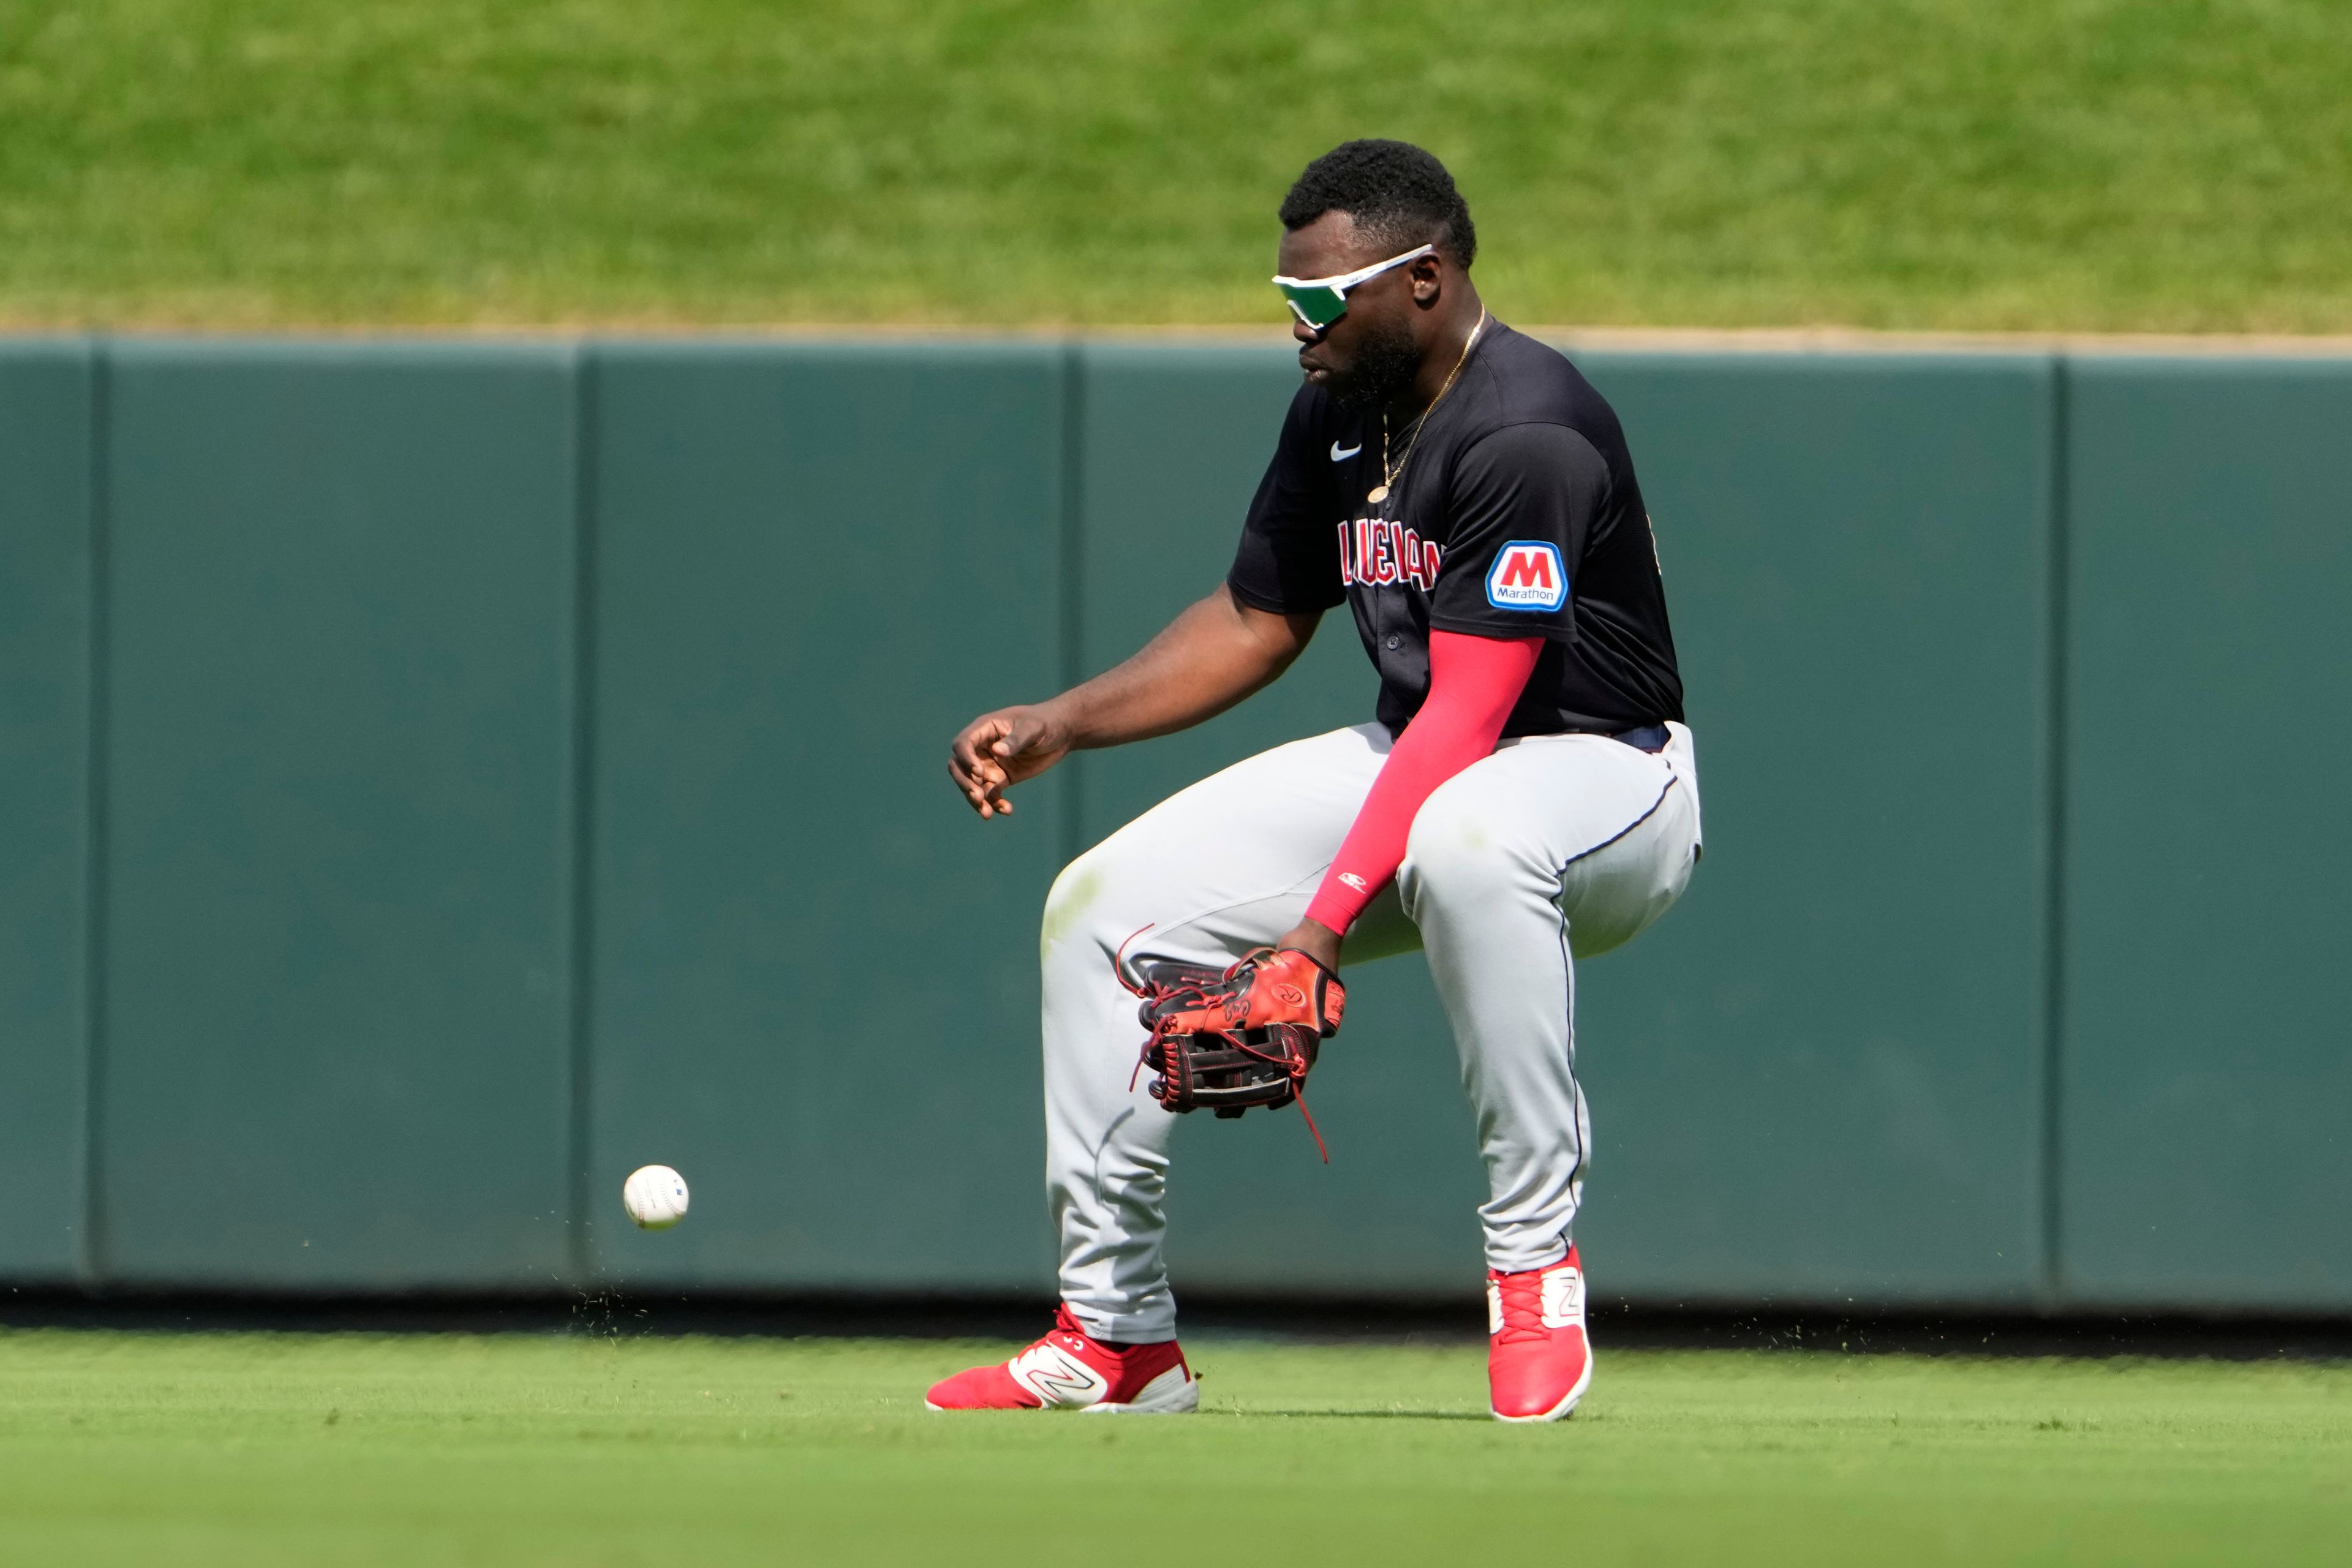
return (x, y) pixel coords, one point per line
(975, 787)
(978, 759)
(976, 790)
(970, 766)
(976, 740)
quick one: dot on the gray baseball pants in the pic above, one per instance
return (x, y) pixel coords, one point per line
(1552, 849)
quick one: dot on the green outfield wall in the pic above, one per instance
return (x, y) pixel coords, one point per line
(438, 778)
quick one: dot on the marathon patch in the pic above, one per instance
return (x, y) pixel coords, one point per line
(1527, 576)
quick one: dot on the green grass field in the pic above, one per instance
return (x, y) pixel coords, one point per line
(264, 1449)
(2171, 165)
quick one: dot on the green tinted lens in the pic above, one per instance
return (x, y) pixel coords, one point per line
(1318, 305)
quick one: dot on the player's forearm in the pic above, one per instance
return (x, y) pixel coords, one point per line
(1214, 654)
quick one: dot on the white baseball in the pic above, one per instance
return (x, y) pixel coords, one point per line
(655, 1196)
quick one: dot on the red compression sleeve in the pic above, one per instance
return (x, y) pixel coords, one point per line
(1472, 682)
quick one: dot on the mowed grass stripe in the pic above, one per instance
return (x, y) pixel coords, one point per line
(264, 1449)
(2172, 164)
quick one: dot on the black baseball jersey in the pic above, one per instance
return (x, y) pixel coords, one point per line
(1516, 515)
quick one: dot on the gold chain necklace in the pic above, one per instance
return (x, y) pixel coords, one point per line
(1379, 492)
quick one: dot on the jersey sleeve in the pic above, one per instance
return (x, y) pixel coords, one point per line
(1522, 508)
(1288, 560)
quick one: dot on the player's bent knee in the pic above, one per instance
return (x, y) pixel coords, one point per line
(1090, 908)
(1076, 896)
(1454, 852)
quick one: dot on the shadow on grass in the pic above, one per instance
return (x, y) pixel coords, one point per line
(1364, 1415)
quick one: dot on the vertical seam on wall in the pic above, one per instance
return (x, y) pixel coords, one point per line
(580, 849)
(2057, 631)
(93, 1248)
(1072, 618)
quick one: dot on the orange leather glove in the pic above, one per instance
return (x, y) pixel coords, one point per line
(1243, 1038)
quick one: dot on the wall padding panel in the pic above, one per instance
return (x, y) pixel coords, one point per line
(338, 924)
(2208, 1059)
(45, 657)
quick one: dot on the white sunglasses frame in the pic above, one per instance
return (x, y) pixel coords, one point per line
(1341, 283)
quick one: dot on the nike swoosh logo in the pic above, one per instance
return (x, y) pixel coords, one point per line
(1340, 456)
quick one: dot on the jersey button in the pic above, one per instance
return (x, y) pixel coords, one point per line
(1395, 642)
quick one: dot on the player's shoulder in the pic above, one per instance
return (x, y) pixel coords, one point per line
(1522, 381)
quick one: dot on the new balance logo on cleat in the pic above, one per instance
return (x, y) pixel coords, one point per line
(1563, 1298)
(1055, 1376)
(1069, 1369)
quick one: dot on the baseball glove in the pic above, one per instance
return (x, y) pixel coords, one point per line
(1241, 1038)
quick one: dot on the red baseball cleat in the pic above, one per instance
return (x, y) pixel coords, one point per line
(1538, 1361)
(1071, 1370)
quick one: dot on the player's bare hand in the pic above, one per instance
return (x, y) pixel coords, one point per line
(999, 750)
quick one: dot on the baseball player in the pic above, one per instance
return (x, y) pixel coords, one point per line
(1527, 794)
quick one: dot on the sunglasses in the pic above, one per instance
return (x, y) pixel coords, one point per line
(1320, 302)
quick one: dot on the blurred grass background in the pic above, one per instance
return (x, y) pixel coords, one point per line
(2034, 164)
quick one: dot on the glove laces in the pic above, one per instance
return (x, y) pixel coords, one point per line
(1292, 1068)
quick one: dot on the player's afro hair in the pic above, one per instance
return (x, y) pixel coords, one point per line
(1394, 190)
